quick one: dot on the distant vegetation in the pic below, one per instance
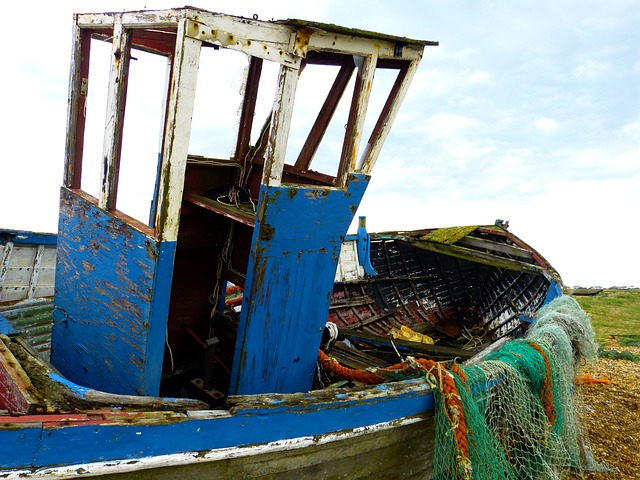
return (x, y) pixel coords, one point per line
(613, 312)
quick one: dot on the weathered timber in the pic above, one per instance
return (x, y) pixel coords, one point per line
(402, 451)
(354, 358)
(435, 350)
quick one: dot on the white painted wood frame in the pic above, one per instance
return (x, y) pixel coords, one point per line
(111, 148)
(177, 132)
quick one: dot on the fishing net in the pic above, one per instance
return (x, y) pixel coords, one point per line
(518, 404)
(512, 414)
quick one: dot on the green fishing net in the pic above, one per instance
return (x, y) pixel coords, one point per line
(513, 414)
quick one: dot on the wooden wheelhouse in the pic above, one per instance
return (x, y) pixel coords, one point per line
(140, 295)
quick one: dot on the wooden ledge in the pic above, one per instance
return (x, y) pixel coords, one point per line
(238, 214)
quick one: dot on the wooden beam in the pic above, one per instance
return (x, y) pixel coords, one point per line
(357, 116)
(76, 107)
(254, 72)
(387, 117)
(434, 350)
(478, 257)
(258, 39)
(177, 131)
(280, 126)
(228, 211)
(324, 116)
(35, 274)
(116, 100)
(495, 246)
(4, 264)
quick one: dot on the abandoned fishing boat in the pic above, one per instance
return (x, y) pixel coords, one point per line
(233, 329)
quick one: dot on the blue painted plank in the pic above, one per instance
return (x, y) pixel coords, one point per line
(28, 238)
(5, 326)
(19, 444)
(554, 292)
(98, 442)
(111, 303)
(295, 250)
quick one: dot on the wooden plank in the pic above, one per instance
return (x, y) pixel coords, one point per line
(76, 107)
(16, 390)
(372, 319)
(351, 302)
(289, 281)
(112, 299)
(4, 266)
(229, 211)
(357, 116)
(354, 358)
(23, 256)
(355, 45)
(238, 36)
(349, 268)
(495, 246)
(387, 117)
(280, 126)
(250, 96)
(35, 274)
(177, 130)
(435, 350)
(116, 99)
(18, 277)
(324, 116)
(478, 257)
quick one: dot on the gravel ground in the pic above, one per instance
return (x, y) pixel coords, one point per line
(611, 414)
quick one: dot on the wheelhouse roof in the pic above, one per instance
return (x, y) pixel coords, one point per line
(229, 29)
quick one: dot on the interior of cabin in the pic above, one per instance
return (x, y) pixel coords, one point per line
(235, 127)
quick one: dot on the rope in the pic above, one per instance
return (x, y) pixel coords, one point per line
(233, 289)
(347, 373)
(233, 302)
(442, 379)
(546, 394)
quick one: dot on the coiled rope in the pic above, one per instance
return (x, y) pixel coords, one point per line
(437, 375)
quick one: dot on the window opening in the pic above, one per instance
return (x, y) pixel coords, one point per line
(218, 102)
(96, 107)
(383, 83)
(266, 96)
(314, 86)
(141, 138)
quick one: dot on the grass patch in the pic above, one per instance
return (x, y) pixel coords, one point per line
(614, 312)
(629, 341)
(614, 354)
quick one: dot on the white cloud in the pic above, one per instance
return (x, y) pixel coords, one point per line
(546, 124)
(447, 124)
(632, 129)
(480, 78)
(591, 69)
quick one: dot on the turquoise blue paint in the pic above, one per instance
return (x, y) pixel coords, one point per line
(364, 251)
(554, 292)
(5, 327)
(363, 239)
(111, 303)
(295, 249)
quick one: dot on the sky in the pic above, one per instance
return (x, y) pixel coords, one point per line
(527, 112)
